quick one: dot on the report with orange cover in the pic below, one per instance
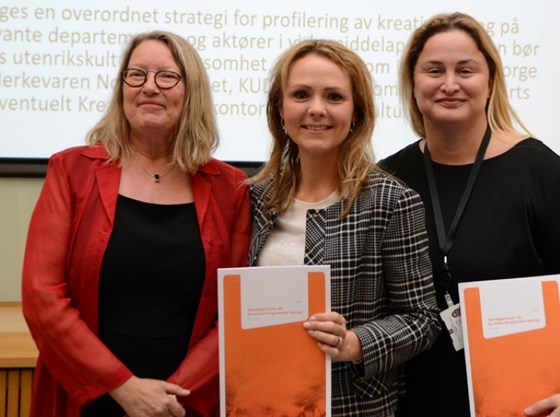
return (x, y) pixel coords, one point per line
(511, 329)
(269, 365)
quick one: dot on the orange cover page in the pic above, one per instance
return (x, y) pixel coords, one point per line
(511, 329)
(269, 365)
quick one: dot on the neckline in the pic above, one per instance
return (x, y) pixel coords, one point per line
(327, 201)
(148, 203)
(493, 158)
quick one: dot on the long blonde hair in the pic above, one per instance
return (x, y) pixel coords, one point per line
(196, 135)
(357, 159)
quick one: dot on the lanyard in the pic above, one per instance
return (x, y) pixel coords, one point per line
(445, 241)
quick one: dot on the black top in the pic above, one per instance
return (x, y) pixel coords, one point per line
(510, 228)
(150, 286)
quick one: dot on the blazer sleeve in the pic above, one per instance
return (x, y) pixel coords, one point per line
(411, 324)
(72, 352)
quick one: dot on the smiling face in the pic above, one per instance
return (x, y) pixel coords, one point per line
(451, 80)
(149, 109)
(317, 107)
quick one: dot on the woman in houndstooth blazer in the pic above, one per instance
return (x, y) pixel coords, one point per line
(320, 199)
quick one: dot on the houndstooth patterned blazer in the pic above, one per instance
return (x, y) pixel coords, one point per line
(381, 282)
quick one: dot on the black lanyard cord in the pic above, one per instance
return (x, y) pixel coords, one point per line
(445, 241)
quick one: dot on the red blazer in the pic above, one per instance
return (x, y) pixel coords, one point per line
(67, 238)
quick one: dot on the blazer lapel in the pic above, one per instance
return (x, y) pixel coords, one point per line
(108, 179)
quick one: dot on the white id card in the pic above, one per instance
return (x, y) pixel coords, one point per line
(452, 318)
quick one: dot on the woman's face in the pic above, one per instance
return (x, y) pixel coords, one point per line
(318, 106)
(451, 79)
(149, 108)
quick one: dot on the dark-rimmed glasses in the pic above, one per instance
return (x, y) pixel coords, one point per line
(136, 77)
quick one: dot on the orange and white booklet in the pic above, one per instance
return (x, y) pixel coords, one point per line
(511, 329)
(269, 365)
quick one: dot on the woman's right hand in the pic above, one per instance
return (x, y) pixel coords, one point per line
(549, 407)
(142, 397)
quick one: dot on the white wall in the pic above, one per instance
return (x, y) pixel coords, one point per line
(17, 199)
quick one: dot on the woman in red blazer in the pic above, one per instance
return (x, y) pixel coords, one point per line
(119, 280)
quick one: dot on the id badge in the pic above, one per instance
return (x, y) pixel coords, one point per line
(451, 316)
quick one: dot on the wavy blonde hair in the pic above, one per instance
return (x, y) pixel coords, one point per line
(357, 159)
(499, 112)
(196, 135)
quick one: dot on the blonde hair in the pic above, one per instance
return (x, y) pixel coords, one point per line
(499, 112)
(196, 135)
(357, 157)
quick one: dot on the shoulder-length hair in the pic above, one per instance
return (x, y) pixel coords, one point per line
(356, 158)
(499, 112)
(196, 135)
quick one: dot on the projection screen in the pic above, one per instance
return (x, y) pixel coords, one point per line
(58, 62)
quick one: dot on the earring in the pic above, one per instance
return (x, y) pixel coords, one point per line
(283, 125)
(352, 126)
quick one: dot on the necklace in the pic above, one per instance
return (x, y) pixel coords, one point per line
(156, 177)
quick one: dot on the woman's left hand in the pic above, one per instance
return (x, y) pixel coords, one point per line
(329, 329)
(550, 406)
(144, 397)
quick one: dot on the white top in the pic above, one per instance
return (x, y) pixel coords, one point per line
(286, 243)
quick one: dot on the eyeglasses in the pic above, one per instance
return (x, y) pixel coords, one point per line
(136, 77)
